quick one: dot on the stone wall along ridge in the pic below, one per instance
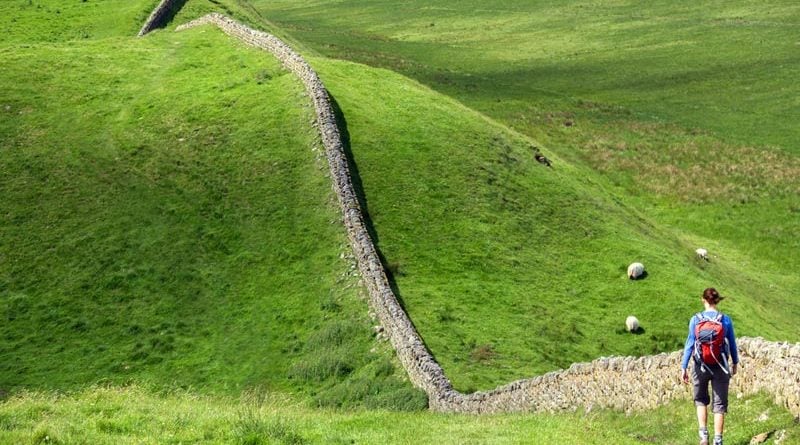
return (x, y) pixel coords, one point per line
(422, 368)
(624, 383)
(158, 15)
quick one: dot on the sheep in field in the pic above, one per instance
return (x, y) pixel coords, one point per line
(631, 324)
(635, 271)
(702, 254)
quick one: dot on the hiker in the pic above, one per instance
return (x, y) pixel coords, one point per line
(712, 345)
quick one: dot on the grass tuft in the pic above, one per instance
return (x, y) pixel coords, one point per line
(251, 428)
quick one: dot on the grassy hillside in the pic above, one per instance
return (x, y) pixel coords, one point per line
(688, 111)
(509, 268)
(165, 225)
(722, 66)
(165, 220)
(54, 21)
(135, 416)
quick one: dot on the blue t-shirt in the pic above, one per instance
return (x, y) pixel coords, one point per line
(727, 324)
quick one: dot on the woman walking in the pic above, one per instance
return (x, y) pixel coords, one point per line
(712, 345)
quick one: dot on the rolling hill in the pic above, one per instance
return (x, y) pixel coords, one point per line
(167, 218)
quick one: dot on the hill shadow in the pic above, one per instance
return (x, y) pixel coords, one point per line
(169, 15)
(358, 188)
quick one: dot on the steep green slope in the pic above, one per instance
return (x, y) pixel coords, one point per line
(509, 268)
(165, 220)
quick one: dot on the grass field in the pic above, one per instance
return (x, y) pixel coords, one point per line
(137, 416)
(165, 220)
(54, 21)
(728, 67)
(688, 107)
(488, 247)
(675, 110)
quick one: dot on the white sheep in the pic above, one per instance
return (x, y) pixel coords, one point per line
(702, 254)
(635, 271)
(632, 323)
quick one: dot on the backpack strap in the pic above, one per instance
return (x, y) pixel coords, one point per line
(702, 317)
(696, 353)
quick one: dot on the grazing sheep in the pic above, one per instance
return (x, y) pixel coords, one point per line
(632, 323)
(702, 254)
(635, 271)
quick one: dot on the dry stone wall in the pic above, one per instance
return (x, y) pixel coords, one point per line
(422, 369)
(625, 383)
(158, 15)
(634, 383)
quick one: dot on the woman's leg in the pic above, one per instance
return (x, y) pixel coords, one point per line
(719, 423)
(702, 399)
(702, 416)
(720, 384)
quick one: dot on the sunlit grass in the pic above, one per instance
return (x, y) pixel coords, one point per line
(509, 268)
(685, 113)
(167, 218)
(139, 416)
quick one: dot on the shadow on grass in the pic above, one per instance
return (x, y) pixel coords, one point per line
(169, 15)
(638, 331)
(358, 187)
(640, 277)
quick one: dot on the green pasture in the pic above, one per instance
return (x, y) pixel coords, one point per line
(111, 415)
(166, 218)
(728, 67)
(688, 110)
(58, 21)
(685, 113)
(508, 268)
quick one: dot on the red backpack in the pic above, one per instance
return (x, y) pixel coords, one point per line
(709, 343)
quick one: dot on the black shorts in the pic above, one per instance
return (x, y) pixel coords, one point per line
(719, 380)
